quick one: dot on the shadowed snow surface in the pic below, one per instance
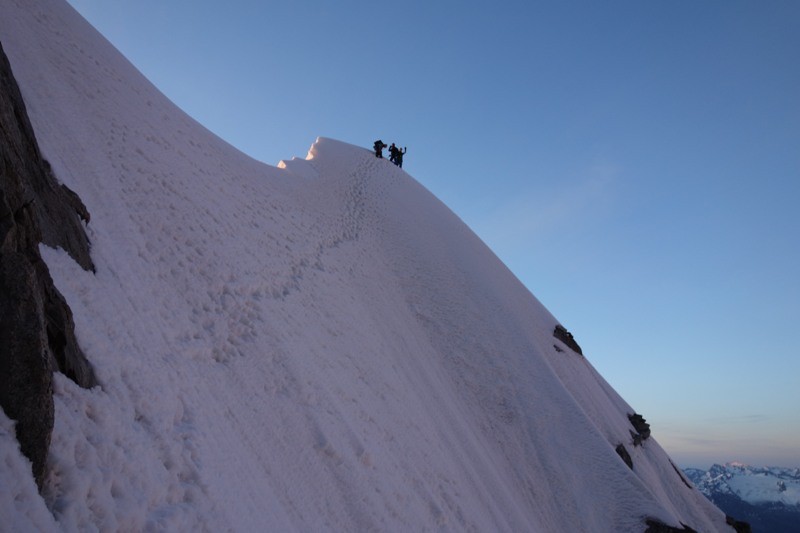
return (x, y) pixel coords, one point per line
(317, 346)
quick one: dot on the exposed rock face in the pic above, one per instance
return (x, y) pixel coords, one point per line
(566, 337)
(642, 428)
(36, 327)
(738, 525)
(623, 453)
(655, 526)
(26, 371)
(680, 475)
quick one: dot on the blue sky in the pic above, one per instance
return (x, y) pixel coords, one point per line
(635, 164)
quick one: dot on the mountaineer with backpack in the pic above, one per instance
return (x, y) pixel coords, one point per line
(395, 153)
(379, 146)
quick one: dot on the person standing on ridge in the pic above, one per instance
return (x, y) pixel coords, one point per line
(379, 146)
(393, 151)
(399, 157)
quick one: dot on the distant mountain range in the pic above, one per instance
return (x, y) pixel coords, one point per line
(768, 498)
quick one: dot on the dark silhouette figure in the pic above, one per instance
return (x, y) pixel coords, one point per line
(395, 153)
(379, 146)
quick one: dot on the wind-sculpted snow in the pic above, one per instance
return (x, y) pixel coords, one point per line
(321, 346)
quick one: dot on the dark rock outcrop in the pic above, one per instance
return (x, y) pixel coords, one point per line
(656, 526)
(36, 327)
(26, 371)
(642, 429)
(623, 453)
(566, 337)
(738, 525)
(680, 475)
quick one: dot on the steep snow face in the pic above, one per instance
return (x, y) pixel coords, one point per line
(318, 346)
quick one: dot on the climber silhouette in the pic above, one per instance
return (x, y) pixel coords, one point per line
(379, 146)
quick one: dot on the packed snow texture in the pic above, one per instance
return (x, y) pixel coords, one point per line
(318, 346)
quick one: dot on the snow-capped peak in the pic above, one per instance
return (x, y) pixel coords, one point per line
(755, 485)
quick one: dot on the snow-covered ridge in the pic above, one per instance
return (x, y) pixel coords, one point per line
(319, 346)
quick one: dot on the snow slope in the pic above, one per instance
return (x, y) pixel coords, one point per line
(317, 346)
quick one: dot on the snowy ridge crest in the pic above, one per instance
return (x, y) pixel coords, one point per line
(302, 167)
